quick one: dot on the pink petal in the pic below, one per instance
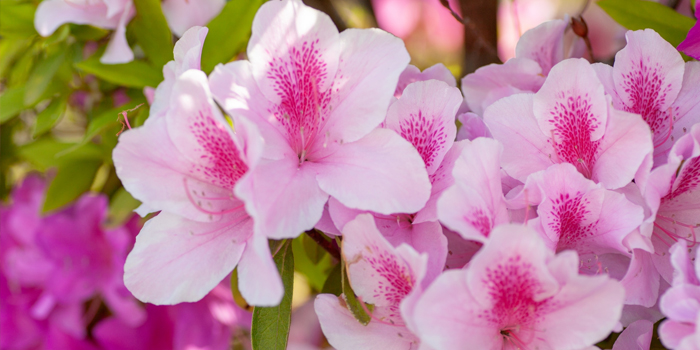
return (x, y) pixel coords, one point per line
(637, 336)
(544, 44)
(648, 75)
(641, 280)
(178, 260)
(371, 62)
(425, 116)
(691, 45)
(493, 82)
(183, 14)
(672, 333)
(343, 331)
(381, 172)
(526, 149)
(623, 150)
(412, 74)
(379, 273)
(475, 203)
(473, 126)
(441, 179)
(53, 13)
(118, 50)
(258, 278)
(283, 198)
(446, 316)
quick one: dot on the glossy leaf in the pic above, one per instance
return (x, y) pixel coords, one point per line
(10, 50)
(72, 179)
(47, 118)
(270, 329)
(135, 74)
(152, 32)
(228, 32)
(334, 284)
(641, 14)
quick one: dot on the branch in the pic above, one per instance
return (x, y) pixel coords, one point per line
(330, 246)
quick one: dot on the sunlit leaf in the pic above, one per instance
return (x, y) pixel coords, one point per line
(86, 32)
(47, 118)
(72, 179)
(45, 153)
(270, 329)
(641, 14)
(17, 19)
(152, 32)
(228, 32)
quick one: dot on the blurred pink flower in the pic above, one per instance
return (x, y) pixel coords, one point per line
(691, 45)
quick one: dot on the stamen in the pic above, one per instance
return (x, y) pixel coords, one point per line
(123, 114)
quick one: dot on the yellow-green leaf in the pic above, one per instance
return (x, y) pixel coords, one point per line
(641, 14)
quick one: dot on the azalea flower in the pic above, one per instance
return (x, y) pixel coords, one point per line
(691, 45)
(412, 74)
(569, 120)
(680, 304)
(515, 293)
(474, 204)
(317, 97)
(650, 78)
(391, 278)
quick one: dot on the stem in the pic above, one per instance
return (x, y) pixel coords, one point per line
(330, 246)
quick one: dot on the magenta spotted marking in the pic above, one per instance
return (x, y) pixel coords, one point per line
(512, 288)
(479, 221)
(426, 134)
(688, 180)
(647, 90)
(574, 123)
(567, 221)
(400, 279)
(223, 165)
(297, 80)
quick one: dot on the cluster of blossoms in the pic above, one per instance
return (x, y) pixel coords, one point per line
(555, 215)
(61, 285)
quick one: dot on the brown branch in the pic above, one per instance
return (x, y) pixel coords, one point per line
(330, 246)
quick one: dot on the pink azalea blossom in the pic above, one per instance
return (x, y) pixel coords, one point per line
(424, 115)
(650, 78)
(51, 14)
(691, 45)
(681, 303)
(576, 213)
(473, 126)
(317, 97)
(569, 120)
(389, 278)
(515, 293)
(203, 230)
(474, 204)
(673, 196)
(538, 50)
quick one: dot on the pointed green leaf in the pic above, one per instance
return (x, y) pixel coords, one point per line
(45, 153)
(17, 19)
(228, 32)
(11, 103)
(354, 305)
(152, 32)
(641, 14)
(135, 74)
(270, 330)
(47, 118)
(72, 179)
(316, 272)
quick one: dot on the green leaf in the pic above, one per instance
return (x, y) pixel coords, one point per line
(17, 19)
(84, 32)
(237, 296)
(12, 102)
(334, 284)
(315, 272)
(270, 329)
(135, 74)
(228, 32)
(72, 179)
(47, 118)
(41, 77)
(152, 32)
(10, 49)
(45, 153)
(354, 305)
(121, 207)
(641, 14)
